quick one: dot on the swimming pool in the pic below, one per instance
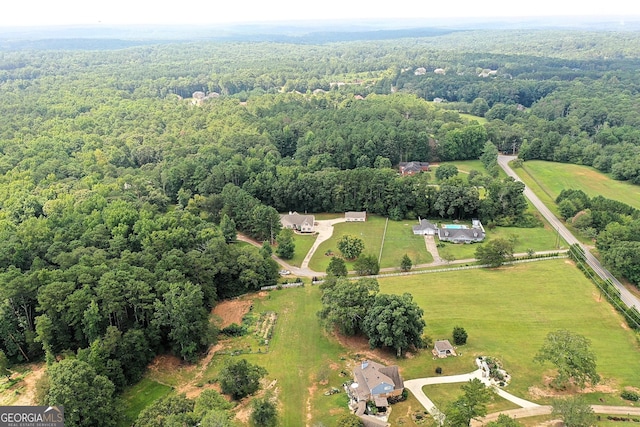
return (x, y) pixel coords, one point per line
(454, 226)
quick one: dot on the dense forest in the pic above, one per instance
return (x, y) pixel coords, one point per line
(117, 167)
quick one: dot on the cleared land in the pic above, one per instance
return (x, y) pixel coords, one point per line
(552, 178)
(506, 312)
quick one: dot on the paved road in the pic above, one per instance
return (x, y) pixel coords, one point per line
(627, 297)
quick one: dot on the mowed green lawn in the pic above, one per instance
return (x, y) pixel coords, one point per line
(400, 240)
(303, 243)
(370, 232)
(507, 312)
(554, 177)
(139, 396)
(300, 354)
(538, 239)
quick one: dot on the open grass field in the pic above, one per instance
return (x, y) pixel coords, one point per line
(552, 178)
(139, 396)
(444, 394)
(507, 312)
(400, 240)
(300, 355)
(370, 232)
(303, 243)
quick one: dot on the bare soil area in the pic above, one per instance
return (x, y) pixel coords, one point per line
(231, 311)
(23, 392)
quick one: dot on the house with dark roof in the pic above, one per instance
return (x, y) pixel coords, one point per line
(461, 233)
(412, 168)
(425, 228)
(300, 223)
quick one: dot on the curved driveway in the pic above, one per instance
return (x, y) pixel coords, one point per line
(627, 297)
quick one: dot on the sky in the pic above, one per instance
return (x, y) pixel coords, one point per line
(116, 12)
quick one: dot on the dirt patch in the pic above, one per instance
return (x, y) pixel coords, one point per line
(193, 388)
(232, 311)
(168, 363)
(547, 391)
(360, 345)
(312, 391)
(23, 392)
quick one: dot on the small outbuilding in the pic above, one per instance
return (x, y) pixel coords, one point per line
(443, 348)
(355, 216)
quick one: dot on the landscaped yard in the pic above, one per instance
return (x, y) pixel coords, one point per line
(303, 243)
(370, 232)
(507, 313)
(538, 239)
(400, 240)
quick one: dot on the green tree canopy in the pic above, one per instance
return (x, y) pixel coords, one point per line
(572, 356)
(350, 246)
(286, 246)
(495, 252)
(459, 335)
(240, 379)
(264, 412)
(367, 265)
(88, 398)
(394, 321)
(405, 263)
(471, 405)
(337, 267)
(574, 412)
(345, 304)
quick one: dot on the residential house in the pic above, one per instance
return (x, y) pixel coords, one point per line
(412, 168)
(376, 382)
(421, 71)
(355, 216)
(297, 222)
(443, 348)
(440, 71)
(425, 228)
(461, 234)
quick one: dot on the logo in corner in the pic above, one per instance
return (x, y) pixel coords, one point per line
(31, 416)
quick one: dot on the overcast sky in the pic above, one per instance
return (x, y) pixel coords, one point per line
(65, 12)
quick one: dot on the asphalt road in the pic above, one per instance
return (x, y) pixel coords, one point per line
(627, 297)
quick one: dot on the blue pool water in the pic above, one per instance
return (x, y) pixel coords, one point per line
(454, 226)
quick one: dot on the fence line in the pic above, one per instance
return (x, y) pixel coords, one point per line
(384, 234)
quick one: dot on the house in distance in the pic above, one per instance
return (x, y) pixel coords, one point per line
(299, 223)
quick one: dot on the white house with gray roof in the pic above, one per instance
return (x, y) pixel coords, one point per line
(300, 223)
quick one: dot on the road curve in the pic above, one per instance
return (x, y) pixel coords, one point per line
(627, 297)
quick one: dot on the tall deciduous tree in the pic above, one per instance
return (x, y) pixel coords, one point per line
(394, 321)
(350, 246)
(472, 404)
(88, 398)
(241, 378)
(345, 304)
(228, 228)
(337, 267)
(264, 412)
(574, 412)
(286, 246)
(572, 356)
(495, 253)
(367, 265)
(181, 312)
